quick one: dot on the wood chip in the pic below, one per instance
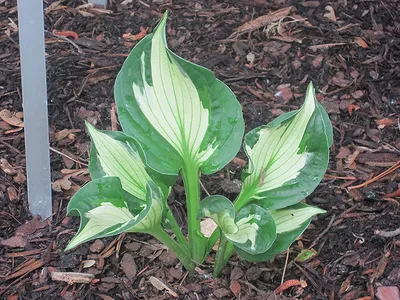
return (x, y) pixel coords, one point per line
(159, 285)
(72, 277)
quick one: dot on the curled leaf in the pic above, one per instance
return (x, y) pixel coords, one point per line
(288, 157)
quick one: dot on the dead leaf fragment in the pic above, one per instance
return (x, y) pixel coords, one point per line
(128, 266)
(11, 118)
(6, 167)
(330, 13)
(16, 241)
(20, 177)
(88, 263)
(61, 184)
(159, 285)
(360, 42)
(235, 288)
(353, 107)
(385, 122)
(136, 37)
(263, 20)
(207, 227)
(12, 193)
(66, 133)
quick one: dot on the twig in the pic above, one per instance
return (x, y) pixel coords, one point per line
(204, 188)
(284, 268)
(325, 46)
(383, 174)
(388, 234)
(259, 291)
(323, 232)
(65, 39)
(316, 286)
(11, 147)
(65, 155)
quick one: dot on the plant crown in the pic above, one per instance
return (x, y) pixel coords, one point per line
(178, 119)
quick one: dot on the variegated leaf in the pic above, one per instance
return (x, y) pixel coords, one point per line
(177, 110)
(256, 232)
(291, 217)
(103, 208)
(290, 224)
(221, 210)
(120, 160)
(134, 149)
(287, 158)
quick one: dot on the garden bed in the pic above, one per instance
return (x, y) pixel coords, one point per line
(350, 52)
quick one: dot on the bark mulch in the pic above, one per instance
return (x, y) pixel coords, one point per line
(267, 52)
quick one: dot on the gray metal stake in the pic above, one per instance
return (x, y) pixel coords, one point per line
(33, 73)
(99, 2)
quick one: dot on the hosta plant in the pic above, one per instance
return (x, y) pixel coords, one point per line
(179, 120)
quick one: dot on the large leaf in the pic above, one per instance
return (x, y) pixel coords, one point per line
(178, 111)
(287, 158)
(133, 148)
(290, 224)
(104, 210)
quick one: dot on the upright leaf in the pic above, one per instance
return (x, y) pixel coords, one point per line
(120, 160)
(177, 110)
(287, 158)
(118, 143)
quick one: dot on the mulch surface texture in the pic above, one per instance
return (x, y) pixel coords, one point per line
(351, 52)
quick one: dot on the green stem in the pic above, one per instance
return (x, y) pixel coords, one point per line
(220, 256)
(212, 240)
(191, 177)
(181, 253)
(176, 229)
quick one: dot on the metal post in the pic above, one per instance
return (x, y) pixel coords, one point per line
(34, 94)
(99, 2)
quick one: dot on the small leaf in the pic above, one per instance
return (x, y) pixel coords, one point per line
(176, 110)
(288, 157)
(306, 254)
(257, 230)
(252, 229)
(117, 159)
(282, 242)
(221, 210)
(290, 224)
